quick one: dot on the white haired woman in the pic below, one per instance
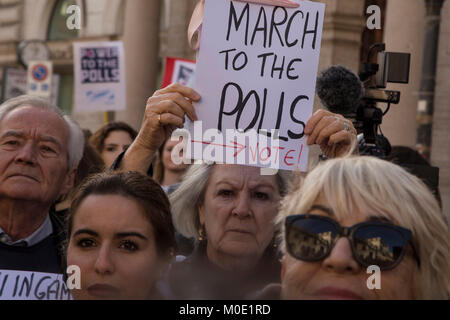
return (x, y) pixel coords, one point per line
(351, 213)
(229, 210)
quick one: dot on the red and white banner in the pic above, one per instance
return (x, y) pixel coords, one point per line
(178, 70)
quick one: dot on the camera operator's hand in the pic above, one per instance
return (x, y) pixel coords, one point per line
(335, 135)
(164, 113)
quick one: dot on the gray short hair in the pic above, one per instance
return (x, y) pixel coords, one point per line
(75, 145)
(190, 194)
(368, 184)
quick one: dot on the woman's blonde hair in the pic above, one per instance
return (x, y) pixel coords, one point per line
(373, 186)
(190, 194)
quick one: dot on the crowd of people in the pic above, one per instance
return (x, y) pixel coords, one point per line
(139, 226)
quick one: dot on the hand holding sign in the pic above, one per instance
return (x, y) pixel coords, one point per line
(165, 112)
(335, 134)
(256, 71)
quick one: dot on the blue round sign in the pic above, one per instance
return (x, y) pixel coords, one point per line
(39, 72)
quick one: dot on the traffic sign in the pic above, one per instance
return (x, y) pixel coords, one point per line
(39, 79)
(39, 72)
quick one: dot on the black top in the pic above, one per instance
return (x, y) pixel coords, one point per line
(41, 257)
(198, 278)
(45, 256)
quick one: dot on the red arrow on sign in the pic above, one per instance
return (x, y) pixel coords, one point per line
(236, 145)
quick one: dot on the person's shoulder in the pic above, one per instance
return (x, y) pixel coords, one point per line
(193, 277)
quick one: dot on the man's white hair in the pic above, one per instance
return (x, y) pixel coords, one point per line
(75, 145)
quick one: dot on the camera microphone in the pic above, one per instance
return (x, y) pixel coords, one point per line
(339, 90)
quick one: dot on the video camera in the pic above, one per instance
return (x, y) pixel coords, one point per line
(390, 67)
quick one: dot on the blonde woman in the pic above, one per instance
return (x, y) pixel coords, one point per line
(351, 213)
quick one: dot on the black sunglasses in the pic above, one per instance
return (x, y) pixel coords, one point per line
(311, 237)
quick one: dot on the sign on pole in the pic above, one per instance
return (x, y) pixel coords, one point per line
(99, 76)
(256, 72)
(39, 78)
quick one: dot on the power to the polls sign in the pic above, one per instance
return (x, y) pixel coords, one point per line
(99, 69)
(256, 72)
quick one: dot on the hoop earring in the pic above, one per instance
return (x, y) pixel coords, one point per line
(201, 233)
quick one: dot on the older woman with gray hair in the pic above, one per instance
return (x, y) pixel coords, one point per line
(229, 210)
(354, 213)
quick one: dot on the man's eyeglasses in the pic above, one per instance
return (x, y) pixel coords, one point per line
(311, 237)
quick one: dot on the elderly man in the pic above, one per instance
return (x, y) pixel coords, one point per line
(39, 152)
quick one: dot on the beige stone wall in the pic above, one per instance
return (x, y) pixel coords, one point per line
(173, 38)
(440, 149)
(399, 125)
(404, 35)
(29, 19)
(10, 30)
(101, 18)
(140, 39)
(341, 39)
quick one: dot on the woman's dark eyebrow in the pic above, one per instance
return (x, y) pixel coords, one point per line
(88, 231)
(130, 234)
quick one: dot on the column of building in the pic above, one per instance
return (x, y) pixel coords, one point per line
(404, 35)
(440, 146)
(140, 38)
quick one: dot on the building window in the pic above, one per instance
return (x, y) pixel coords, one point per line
(57, 28)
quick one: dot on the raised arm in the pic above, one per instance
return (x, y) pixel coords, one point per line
(164, 113)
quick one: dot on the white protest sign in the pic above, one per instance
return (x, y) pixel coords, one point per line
(39, 78)
(99, 76)
(27, 285)
(256, 71)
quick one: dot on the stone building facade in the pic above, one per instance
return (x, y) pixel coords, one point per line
(152, 29)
